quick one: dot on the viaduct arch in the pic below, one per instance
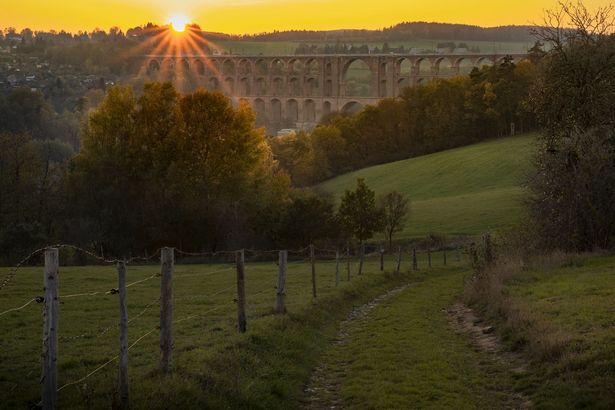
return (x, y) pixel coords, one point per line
(297, 91)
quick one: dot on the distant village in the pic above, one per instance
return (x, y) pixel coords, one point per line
(22, 65)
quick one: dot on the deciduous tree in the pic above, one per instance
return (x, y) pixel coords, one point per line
(395, 208)
(359, 214)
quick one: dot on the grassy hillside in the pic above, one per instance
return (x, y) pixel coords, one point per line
(466, 190)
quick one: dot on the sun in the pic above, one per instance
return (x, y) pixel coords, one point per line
(179, 22)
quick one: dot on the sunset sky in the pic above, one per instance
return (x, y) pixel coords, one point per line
(250, 16)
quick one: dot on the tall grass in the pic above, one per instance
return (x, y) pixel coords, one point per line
(553, 309)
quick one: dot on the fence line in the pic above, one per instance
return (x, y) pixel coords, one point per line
(277, 293)
(18, 308)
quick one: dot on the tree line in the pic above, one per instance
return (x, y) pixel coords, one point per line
(402, 31)
(164, 168)
(343, 48)
(572, 196)
(405, 31)
(442, 114)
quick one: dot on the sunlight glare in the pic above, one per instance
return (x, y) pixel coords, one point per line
(179, 22)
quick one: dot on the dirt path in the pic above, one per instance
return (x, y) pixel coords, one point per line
(409, 351)
(463, 320)
(322, 390)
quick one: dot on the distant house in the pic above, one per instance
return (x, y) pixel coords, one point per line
(286, 131)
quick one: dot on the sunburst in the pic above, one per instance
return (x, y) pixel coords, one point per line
(179, 22)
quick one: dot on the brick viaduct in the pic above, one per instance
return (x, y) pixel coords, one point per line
(297, 91)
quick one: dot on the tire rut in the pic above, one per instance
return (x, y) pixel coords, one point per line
(323, 390)
(463, 320)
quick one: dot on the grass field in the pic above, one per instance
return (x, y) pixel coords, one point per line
(289, 47)
(569, 332)
(560, 321)
(213, 366)
(463, 191)
(409, 357)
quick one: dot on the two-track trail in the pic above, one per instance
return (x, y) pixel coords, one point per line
(416, 347)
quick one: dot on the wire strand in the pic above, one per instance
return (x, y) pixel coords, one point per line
(18, 308)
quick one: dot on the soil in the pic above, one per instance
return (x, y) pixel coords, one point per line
(463, 320)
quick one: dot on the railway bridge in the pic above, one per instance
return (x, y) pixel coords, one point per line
(296, 91)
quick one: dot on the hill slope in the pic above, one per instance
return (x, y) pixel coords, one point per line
(466, 190)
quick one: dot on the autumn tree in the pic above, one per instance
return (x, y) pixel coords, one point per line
(164, 168)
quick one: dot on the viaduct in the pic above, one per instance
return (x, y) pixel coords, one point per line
(297, 91)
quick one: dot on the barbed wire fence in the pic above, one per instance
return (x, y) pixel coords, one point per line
(236, 260)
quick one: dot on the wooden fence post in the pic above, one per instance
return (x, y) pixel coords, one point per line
(348, 261)
(313, 262)
(415, 264)
(398, 259)
(444, 256)
(361, 257)
(381, 259)
(166, 308)
(280, 307)
(123, 386)
(337, 268)
(50, 330)
(429, 256)
(241, 291)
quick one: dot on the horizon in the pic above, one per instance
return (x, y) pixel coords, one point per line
(256, 17)
(202, 29)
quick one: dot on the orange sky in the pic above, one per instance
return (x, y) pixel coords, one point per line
(250, 16)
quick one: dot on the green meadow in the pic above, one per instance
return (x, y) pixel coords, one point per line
(213, 365)
(463, 191)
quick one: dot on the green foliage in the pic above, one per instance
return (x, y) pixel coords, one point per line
(23, 111)
(31, 187)
(307, 218)
(312, 157)
(359, 214)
